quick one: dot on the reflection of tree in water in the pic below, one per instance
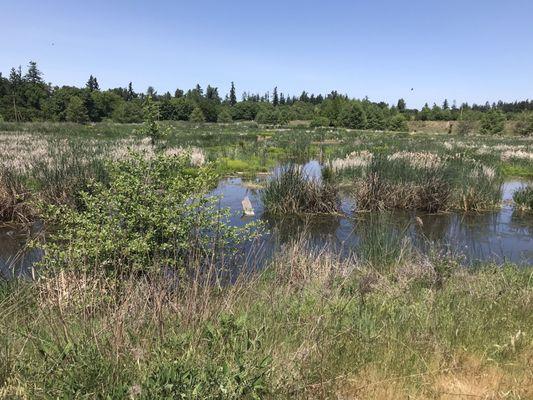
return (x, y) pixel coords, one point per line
(318, 229)
(15, 257)
(522, 222)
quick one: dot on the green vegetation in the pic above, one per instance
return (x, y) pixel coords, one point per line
(292, 191)
(143, 293)
(310, 326)
(26, 97)
(426, 182)
(523, 197)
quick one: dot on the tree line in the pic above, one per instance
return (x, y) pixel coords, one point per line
(27, 97)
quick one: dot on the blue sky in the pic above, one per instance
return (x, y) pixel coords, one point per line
(464, 50)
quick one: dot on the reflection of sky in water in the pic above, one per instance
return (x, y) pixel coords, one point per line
(505, 235)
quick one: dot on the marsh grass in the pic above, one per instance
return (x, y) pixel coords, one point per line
(523, 197)
(312, 325)
(292, 191)
(436, 185)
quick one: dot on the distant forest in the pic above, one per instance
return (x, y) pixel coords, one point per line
(27, 97)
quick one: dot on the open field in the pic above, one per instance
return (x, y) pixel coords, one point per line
(149, 288)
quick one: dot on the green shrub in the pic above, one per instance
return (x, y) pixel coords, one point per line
(319, 121)
(352, 116)
(197, 116)
(524, 125)
(398, 123)
(152, 214)
(493, 122)
(224, 116)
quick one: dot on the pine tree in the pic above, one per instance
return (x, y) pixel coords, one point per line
(275, 98)
(92, 84)
(281, 99)
(178, 93)
(130, 94)
(401, 105)
(33, 75)
(445, 104)
(232, 95)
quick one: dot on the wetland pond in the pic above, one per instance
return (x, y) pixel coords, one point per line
(503, 235)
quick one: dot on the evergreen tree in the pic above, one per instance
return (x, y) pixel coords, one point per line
(130, 93)
(232, 95)
(445, 105)
(275, 98)
(33, 75)
(281, 99)
(197, 116)
(401, 105)
(92, 84)
(178, 93)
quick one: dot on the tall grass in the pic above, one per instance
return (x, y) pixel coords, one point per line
(292, 191)
(430, 185)
(312, 325)
(523, 197)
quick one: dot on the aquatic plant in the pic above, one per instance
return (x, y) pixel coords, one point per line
(422, 181)
(523, 197)
(292, 191)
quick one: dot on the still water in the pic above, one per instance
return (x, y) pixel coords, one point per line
(499, 236)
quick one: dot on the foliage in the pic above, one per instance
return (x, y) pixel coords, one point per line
(524, 125)
(197, 116)
(151, 126)
(292, 191)
(76, 111)
(493, 122)
(352, 116)
(225, 116)
(151, 214)
(398, 123)
(523, 197)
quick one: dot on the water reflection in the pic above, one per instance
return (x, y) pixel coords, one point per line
(503, 235)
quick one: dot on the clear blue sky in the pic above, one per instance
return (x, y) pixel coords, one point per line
(470, 50)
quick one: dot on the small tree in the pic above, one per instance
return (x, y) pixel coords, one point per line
(401, 105)
(76, 111)
(151, 124)
(224, 116)
(493, 122)
(232, 95)
(197, 116)
(398, 123)
(524, 125)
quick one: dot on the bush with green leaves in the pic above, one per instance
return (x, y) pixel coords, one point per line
(224, 116)
(493, 121)
(76, 111)
(398, 123)
(319, 121)
(151, 126)
(352, 116)
(153, 213)
(524, 125)
(197, 116)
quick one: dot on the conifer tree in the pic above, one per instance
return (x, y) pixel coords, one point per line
(275, 98)
(232, 95)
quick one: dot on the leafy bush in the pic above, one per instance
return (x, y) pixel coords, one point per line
(352, 116)
(318, 121)
(197, 116)
(151, 215)
(493, 121)
(224, 116)
(524, 125)
(398, 123)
